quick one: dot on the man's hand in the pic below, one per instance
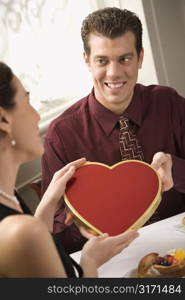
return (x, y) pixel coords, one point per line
(86, 232)
(162, 163)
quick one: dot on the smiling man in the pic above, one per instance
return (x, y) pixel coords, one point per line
(114, 64)
(118, 113)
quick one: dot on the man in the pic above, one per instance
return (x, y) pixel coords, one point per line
(113, 52)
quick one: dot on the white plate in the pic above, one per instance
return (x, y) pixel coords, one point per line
(131, 274)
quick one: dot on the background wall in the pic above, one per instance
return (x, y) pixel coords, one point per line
(166, 25)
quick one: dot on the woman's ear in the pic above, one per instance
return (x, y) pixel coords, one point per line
(5, 121)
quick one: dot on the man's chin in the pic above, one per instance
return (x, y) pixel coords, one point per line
(115, 100)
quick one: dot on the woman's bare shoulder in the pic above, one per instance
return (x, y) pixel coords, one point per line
(25, 245)
(16, 227)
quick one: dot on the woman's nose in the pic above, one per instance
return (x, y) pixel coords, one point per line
(37, 114)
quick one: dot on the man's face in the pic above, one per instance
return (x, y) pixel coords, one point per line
(114, 65)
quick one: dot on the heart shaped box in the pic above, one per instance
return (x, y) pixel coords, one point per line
(113, 199)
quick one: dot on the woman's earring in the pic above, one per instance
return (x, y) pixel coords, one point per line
(13, 143)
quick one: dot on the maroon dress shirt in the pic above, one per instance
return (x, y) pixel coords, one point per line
(88, 129)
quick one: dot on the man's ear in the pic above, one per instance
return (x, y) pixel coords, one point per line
(5, 121)
(141, 55)
(87, 60)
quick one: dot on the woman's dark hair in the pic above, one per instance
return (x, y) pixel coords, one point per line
(7, 91)
(112, 22)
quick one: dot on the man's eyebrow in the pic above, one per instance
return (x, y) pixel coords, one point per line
(127, 54)
(120, 56)
(100, 56)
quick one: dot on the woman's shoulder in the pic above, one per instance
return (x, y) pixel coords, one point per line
(20, 227)
(25, 244)
(17, 221)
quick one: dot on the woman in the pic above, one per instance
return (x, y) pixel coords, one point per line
(27, 247)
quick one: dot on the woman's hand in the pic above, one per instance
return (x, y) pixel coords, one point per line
(52, 198)
(57, 186)
(99, 250)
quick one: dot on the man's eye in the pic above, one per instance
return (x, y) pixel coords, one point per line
(101, 61)
(125, 59)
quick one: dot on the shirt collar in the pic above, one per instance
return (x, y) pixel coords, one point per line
(134, 110)
(105, 117)
(108, 120)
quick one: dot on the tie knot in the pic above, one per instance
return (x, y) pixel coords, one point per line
(124, 122)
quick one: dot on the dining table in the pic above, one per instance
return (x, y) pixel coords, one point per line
(160, 237)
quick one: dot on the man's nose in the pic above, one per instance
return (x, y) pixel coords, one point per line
(113, 70)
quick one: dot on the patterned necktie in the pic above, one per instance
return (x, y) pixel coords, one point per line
(130, 149)
(129, 146)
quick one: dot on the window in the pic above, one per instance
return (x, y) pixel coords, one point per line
(40, 40)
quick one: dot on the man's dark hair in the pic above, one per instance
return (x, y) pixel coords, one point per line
(112, 22)
(7, 91)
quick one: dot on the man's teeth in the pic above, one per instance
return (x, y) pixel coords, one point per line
(114, 85)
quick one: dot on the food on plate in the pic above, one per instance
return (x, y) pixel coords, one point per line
(170, 265)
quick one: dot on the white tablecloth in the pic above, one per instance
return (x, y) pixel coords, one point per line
(158, 237)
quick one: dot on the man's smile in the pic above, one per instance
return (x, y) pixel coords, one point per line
(115, 85)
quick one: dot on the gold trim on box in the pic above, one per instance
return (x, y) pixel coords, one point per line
(141, 221)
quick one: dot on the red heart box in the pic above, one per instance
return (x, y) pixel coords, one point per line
(114, 199)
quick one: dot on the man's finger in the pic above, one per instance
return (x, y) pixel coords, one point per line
(158, 160)
(69, 218)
